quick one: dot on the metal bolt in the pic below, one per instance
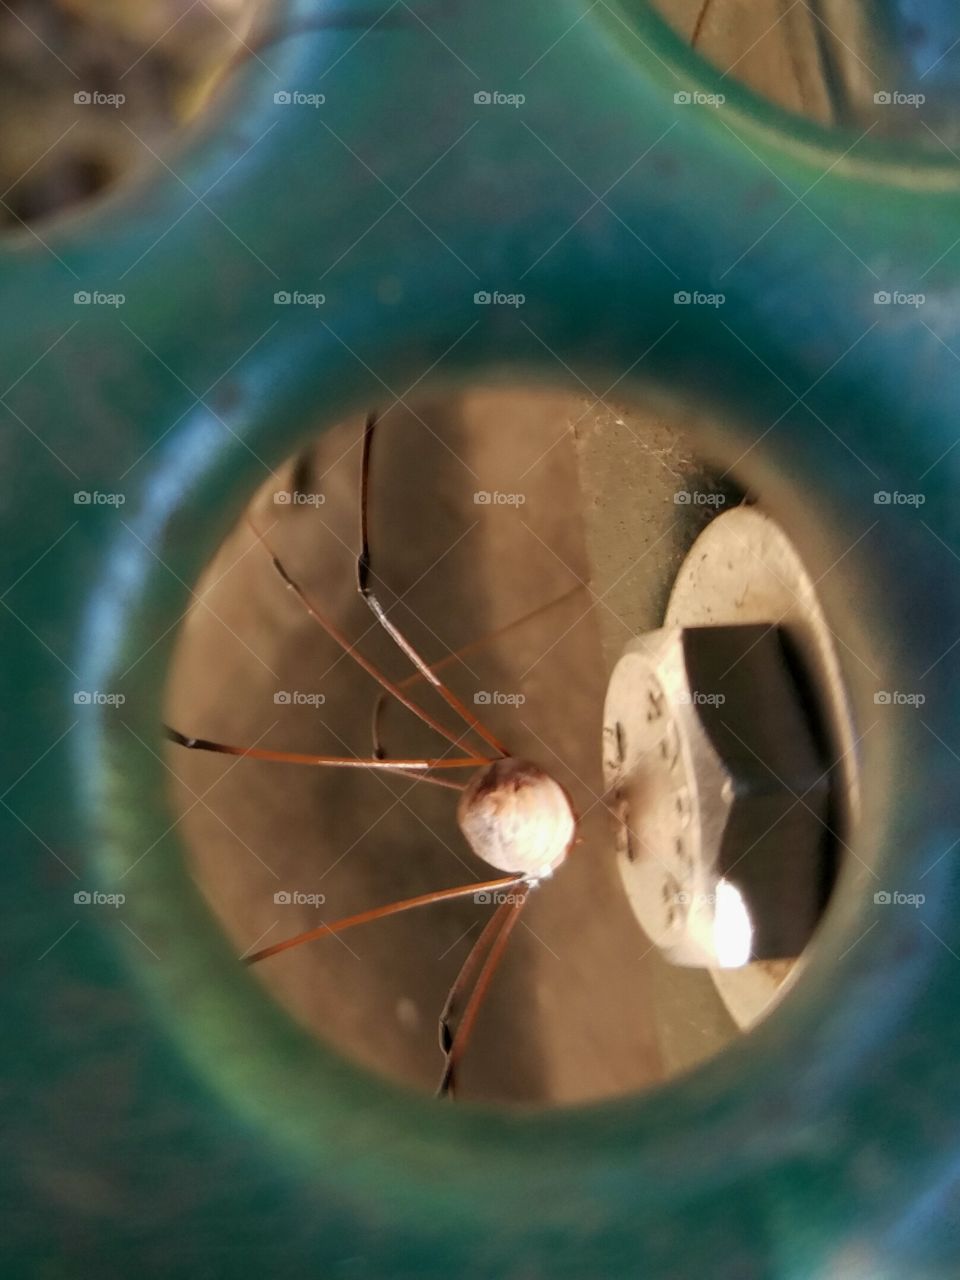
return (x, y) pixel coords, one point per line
(716, 775)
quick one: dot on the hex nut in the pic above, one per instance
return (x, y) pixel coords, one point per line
(715, 767)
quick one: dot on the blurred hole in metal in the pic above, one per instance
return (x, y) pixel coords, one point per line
(583, 1007)
(61, 144)
(832, 61)
(890, 67)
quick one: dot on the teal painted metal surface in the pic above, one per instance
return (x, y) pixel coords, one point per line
(161, 1115)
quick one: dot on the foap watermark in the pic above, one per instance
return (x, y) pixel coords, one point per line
(295, 498)
(698, 498)
(296, 898)
(894, 98)
(95, 298)
(297, 98)
(683, 898)
(497, 897)
(296, 298)
(897, 298)
(885, 498)
(494, 698)
(697, 698)
(894, 898)
(94, 898)
(696, 298)
(896, 698)
(97, 698)
(294, 698)
(94, 498)
(486, 298)
(494, 498)
(494, 98)
(695, 98)
(94, 98)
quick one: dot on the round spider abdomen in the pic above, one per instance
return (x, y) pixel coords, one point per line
(517, 818)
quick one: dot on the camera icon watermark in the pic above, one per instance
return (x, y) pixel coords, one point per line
(494, 498)
(494, 98)
(894, 898)
(894, 98)
(694, 98)
(697, 698)
(96, 698)
(494, 698)
(897, 298)
(94, 498)
(697, 298)
(296, 98)
(886, 498)
(897, 698)
(698, 498)
(294, 698)
(297, 298)
(96, 298)
(295, 498)
(93, 897)
(496, 298)
(683, 898)
(94, 98)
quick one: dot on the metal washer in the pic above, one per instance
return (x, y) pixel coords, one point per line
(744, 569)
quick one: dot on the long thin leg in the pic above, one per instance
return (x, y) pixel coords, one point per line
(335, 762)
(337, 635)
(471, 647)
(301, 480)
(378, 913)
(428, 778)
(363, 586)
(698, 25)
(467, 974)
(446, 1087)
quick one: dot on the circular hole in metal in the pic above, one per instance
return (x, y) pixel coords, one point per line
(91, 89)
(890, 70)
(556, 526)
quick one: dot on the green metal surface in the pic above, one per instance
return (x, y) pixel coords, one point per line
(160, 1115)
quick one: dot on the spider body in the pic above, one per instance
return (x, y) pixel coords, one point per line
(517, 818)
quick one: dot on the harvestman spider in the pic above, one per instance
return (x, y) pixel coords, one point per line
(513, 814)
